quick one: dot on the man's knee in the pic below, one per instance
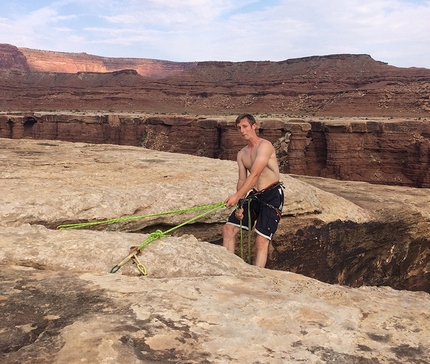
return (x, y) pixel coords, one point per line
(229, 230)
(261, 243)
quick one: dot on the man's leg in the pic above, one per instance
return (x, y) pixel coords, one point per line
(262, 245)
(229, 236)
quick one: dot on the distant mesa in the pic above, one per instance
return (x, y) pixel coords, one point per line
(33, 60)
(318, 86)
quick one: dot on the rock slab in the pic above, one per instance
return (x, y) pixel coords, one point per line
(198, 303)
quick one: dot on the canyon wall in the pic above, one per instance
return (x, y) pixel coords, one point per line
(381, 151)
(34, 60)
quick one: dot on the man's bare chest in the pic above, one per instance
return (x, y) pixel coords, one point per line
(248, 158)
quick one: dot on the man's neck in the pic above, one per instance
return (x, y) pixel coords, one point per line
(253, 141)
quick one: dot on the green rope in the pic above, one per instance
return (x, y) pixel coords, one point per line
(129, 218)
(248, 233)
(158, 234)
(241, 236)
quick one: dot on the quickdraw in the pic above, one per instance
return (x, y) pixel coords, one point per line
(141, 268)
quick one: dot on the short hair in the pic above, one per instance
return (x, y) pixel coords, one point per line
(250, 118)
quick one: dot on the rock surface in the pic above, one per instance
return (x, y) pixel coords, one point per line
(70, 181)
(199, 303)
(270, 317)
(12, 59)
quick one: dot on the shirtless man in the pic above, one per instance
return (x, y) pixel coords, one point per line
(259, 172)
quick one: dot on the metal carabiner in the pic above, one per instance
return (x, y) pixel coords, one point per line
(139, 265)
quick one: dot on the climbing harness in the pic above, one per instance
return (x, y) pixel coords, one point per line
(275, 185)
(153, 236)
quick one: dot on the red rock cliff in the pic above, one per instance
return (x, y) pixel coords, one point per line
(381, 151)
(33, 60)
(12, 59)
(47, 61)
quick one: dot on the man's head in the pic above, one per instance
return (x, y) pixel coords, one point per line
(249, 117)
(246, 126)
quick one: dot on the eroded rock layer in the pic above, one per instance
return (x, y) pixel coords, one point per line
(34, 60)
(377, 150)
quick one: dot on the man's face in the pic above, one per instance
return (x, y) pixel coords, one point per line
(245, 129)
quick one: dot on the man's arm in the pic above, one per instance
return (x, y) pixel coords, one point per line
(243, 172)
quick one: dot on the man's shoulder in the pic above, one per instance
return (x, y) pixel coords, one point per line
(264, 143)
(241, 153)
(242, 150)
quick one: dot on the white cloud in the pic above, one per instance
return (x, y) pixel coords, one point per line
(164, 13)
(393, 31)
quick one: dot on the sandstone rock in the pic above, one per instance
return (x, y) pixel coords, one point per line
(34, 60)
(378, 251)
(352, 144)
(106, 181)
(113, 181)
(198, 303)
(272, 317)
(12, 59)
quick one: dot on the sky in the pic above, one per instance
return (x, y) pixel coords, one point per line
(393, 31)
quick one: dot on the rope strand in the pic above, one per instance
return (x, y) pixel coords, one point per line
(130, 218)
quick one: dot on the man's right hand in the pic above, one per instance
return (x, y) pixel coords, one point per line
(231, 201)
(239, 214)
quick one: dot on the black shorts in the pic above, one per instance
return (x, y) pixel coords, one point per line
(265, 208)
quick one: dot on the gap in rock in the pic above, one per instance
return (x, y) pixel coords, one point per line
(340, 252)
